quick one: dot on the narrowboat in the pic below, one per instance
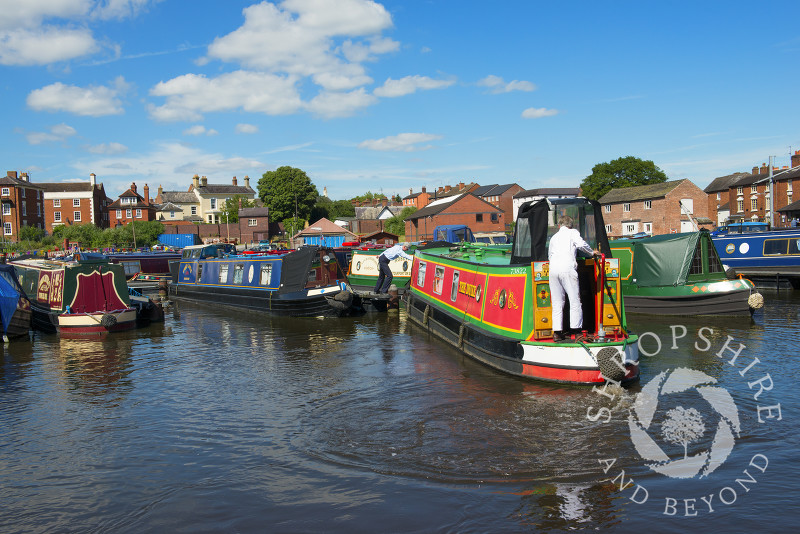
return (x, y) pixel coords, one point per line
(307, 282)
(15, 308)
(767, 257)
(680, 274)
(84, 296)
(144, 265)
(493, 302)
(363, 271)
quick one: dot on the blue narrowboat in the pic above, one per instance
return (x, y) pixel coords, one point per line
(308, 282)
(762, 255)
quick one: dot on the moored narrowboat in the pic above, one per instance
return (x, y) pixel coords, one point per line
(308, 282)
(15, 307)
(363, 272)
(680, 274)
(85, 296)
(767, 257)
(493, 302)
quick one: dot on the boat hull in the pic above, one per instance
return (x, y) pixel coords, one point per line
(82, 324)
(563, 363)
(734, 303)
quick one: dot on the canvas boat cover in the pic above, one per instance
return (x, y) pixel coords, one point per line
(294, 271)
(10, 292)
(663, 260)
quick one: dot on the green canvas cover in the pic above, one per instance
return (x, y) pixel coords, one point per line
(663, 260)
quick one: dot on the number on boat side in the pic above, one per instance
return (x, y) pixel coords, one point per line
(518, 270)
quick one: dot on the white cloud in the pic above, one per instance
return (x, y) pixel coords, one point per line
(191, 94)
(496, 85)
(243, 128)
(107, 148)
(538, 113)
(44, 45)
(404, 142)
(90, 101)
(410, 84)
(59, 132)
(199, 129)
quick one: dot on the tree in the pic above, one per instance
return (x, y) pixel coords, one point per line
(230, 209)
(285, 191)
(321, 209)
(397, 224)
(621, 172)
(342, 208)
(31, 233)
(683, 427)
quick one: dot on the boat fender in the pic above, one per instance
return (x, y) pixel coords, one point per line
(108, 320)
(426, 315)
(755, 301)
(344, 296)
(608, 360)
(461, 330)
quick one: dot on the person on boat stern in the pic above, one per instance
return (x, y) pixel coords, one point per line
(564, 275)
(384, 272)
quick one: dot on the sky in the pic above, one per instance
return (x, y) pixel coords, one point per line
(393, 96)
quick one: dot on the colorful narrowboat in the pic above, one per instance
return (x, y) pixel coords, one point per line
(85, 296)
(766, 257)
(15, 307)
(680, 274)
(308, 282)
(493, 302)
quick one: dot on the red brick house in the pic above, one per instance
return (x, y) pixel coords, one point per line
(501, 196)
(718, 192)
(21, 204)
(68, 203)
(655, 208)
(464, 208)
(253, 224)
(131, 206)
(750, 195)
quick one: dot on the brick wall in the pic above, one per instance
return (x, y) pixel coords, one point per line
(465, 211)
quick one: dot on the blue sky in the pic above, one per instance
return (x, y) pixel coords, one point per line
(396, 95)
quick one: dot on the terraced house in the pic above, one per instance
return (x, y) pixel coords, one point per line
(203, 202)
(68, 203)
(21, 204)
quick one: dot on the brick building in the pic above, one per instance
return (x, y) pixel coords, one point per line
(655, 208)
(68, 203)
(464, 208)
(131, 206)
(501, 196)
(750, 194)
(718, 192)
(253, 225)
(22, 204)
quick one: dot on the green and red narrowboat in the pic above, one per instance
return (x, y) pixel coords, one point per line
(80, 297)
(493, 302)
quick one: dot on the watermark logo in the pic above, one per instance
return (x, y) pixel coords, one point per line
(681, 425)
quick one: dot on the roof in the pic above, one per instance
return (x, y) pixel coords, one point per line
(67, 187)
(168, 206)
(324, 226)
(17, 182)
(794, 206)
(439, 205)
(491, 190)
(723, 183)
(373, 212)
(379, 233)
(549, 191)
(222, 189)
(254, 212)
(179, 197)
(640, 192)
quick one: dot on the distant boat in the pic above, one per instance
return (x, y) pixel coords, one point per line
(84, 296)
(15, 308)
(766, 256)
(363, 272)
(308, 282)
(680, 274)
(144, 265)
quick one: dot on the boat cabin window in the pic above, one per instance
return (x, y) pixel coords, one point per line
(775, 247)
(454, 287)
(714, 263)
(266, 274)
(421, 274)
(238, 273)
(223, 273)
(697, 260)
(199, 271)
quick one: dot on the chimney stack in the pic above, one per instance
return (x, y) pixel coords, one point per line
(234, 181)
(755, 170)
(11, 174)
(24, 176)
(196, 181)
(246, 181)
(764, 169)
(93, 180)
(146, 194)
(204, 181)
(423, 188)
(133, 186)
(447, 188)
(796, 159)
(160, 190)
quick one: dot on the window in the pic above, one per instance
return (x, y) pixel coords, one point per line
(697, 260)
(454, 286)
(24, 210)
(7, 228)
(199, 272)
(5, 191)
(252, 222)
(754, 188)
(754, 204)
(22, 193)
(739, 190)
(223, 273)
(740, 206)
(128, 214)
(194, 210)
(495, 217)
(608, 228)
(648, 227)
(76, 203)
(719, 197)
(648, 204)
(607, 208)
(171, 214)
(119, 214)
(238, 273)
(57, 216)
(788, 187)
(438, 279)
(213, 203)
(138, 214)
(266, 274)
(626, 207)
(76, 216)
(479, 217)
(6, 209)
(629, 229)
(56, 202)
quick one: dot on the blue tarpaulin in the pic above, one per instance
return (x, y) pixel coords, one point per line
(9, 295)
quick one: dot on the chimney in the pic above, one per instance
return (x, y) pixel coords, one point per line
(764, 169)
(234, 181)
(755, 170)
(133, 186)
(384, 202)
(93, 180)
(204, 181)
(146, 194)
(11, 174)
(246, 181)
(796, 159)
(410, 191)
(447, 189)
(196, 181)
(423, 188)
(460, 186)
(24, 176)
(160, 190)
